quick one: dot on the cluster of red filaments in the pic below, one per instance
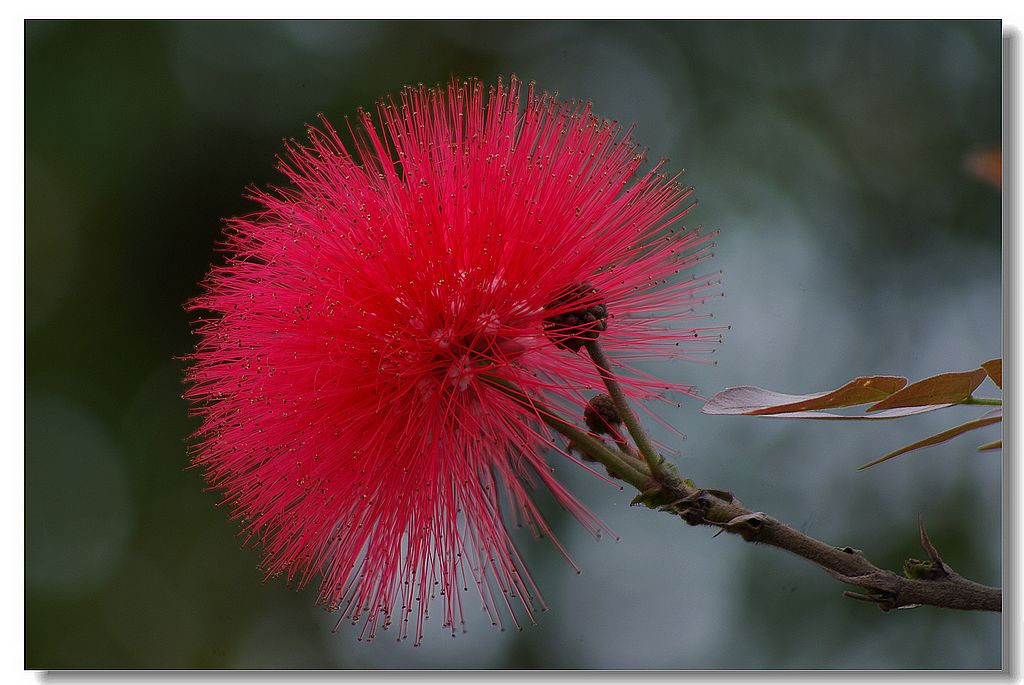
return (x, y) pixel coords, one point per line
(347, 346)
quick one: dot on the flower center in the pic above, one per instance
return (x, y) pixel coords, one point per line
(455, 355)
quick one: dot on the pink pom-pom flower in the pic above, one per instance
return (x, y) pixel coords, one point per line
(348, 345)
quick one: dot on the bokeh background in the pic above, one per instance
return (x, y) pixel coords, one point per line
(853, 240)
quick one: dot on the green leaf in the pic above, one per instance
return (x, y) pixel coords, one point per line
(752, 401)
(922, 570)
(994, 416)
(994, 369)
(652, 499)
(946, 388)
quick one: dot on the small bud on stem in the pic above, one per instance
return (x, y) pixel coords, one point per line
(570, 329)
(602, 418)
(601, 415)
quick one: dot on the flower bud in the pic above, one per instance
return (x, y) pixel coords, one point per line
(571, 327)
(601, 416)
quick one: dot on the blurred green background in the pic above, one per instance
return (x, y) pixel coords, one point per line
(853, 240)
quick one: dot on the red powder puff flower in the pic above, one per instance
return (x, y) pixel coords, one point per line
(342, 363)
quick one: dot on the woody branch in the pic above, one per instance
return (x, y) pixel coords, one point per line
(923, 583)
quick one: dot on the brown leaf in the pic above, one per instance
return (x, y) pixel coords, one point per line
(895, 413)
(994, 369)
(996, 445)
(755, 401)
(946, 388)
(858, 391)
(987, 164)
(986, 420)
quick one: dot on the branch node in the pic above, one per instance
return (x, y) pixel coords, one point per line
(722, 495)
(747, 526)
(691, 508)
(916, 569)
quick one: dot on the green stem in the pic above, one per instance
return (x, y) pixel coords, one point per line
(626, 413)
(990, 401)
(620, 441)
(586, 443)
